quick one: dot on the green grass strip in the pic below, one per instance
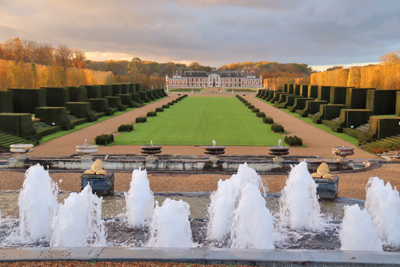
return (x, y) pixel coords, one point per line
(87, 124)
(323, 127)
(198, 121)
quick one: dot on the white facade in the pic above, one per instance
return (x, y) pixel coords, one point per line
(226, 79)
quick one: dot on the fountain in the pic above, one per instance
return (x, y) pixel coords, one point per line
(252, 225)
(358, 231)
(139, 200)
(21, 151)
(299, 207)
(86, 150)
(278, 152)
(170, 226)
(36, 210)
(214, 151)
(150, 151)
(224, 201)
(239, 217)
(342, 152)
(383, 203)
(78, 222)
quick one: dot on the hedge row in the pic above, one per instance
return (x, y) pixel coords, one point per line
(104, 139)
(293, 140)
(125, 128)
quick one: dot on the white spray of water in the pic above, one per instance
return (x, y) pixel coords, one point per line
(139, 200)
(170, 226)
(358, 231)
(383, 203)
(253, 223)
(299, 207)
(224, 201)
(37, 203)
(78, 222)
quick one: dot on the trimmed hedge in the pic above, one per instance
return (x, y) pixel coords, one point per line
(260, 114)
(277, 128)
(26, 100)
(55, 116)
(101, 105)
(125, 128)
(293, 140)
(165, 106)
(116, 89)
(19, 124)
(115, 102)
(93, 91)
(255, 110)
(57, 96)
(268, 120)
(104, 139)
(6, 101)
(141, 119)
(77, 94)
(159, 109)
(151, 114)
(81, 110)
(106, 90)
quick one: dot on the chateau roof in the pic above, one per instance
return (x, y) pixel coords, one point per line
(228, 73)
(194, 74)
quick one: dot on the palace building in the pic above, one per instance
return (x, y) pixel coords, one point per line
(226, 79)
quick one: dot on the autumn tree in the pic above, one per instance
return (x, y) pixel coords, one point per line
(78, 58)
(390, 58)
(135, 67)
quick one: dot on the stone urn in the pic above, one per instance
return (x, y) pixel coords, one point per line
(150, 151)
(86, 150)
(21, 150)
(278, 152)
(342, 152)
(214, 151)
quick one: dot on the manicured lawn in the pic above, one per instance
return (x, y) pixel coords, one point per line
(198, 121)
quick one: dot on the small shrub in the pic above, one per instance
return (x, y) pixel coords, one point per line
(141, 119)
(277, 128)
(268, 120)
(260, 114)
(255, 110)
(377, 150)
(293, 140)
(125, 128)
(159, 109)
(250, 106)
(170, 103)
(104, 139)
(151, 114)
(165, 106)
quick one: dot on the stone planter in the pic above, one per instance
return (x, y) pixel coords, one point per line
(150, 151)
(342, 152)
(327, 188)
(101, 184)
(214, 151)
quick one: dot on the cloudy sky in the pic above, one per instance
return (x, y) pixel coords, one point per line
(211, 32)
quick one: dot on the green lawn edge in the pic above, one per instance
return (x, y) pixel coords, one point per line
(323, 127)
(55, 135)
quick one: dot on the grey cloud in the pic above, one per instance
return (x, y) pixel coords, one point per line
(212, 32)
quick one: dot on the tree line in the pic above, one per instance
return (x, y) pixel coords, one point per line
(137, 67)
(26, 51)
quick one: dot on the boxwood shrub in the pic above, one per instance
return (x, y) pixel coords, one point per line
(151, 114)
(260, 114)
(159, 109)
(165, 106)
(125, 128)
(293, 140)
(255, 110)
(250, 106)
(141, 119)
(277, 128)
(171, 103)
(268, 120)
(104, 139)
